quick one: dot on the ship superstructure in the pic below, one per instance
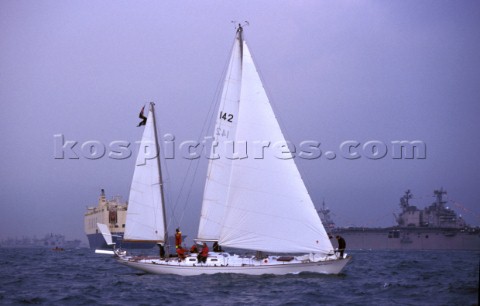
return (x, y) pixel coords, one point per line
(327, 221)
(113, 213)
(436, 215)
(435, 227)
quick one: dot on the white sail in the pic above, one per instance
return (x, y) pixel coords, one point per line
(269, 208)
(219, 169)
(145, 220)
(107, 235)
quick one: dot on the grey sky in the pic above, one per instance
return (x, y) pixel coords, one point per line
(334, 70)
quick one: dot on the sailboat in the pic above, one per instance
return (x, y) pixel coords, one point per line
(255, 203)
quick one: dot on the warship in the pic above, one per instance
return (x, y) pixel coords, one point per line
(436, 227)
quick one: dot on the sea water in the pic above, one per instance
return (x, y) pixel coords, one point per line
(81, 277)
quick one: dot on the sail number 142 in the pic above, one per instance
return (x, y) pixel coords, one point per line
(226, 117)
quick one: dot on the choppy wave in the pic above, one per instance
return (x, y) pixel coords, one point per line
(80, 277)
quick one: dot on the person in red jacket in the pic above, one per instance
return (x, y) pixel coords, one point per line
(181, 253)
(178, 238)
(194, 248)
(202, 257)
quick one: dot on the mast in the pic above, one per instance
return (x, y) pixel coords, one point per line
(440, 203)
(152, 105)
(145, 203)
(240, 38)
(215, 195)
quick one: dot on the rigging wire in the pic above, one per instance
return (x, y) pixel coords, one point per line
(194, 164)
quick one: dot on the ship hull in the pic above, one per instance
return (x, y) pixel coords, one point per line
(409, 239)
(96, 241)
(236, 266)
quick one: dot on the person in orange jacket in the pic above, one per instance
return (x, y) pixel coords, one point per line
(202, 257)
(181, 253)
(178, 238)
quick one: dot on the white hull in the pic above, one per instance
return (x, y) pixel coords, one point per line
(225, 263)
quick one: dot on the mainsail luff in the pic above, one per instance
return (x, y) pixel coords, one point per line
(218, 174)
(146, 211)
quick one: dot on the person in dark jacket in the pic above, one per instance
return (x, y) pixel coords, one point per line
(162, 250)
(217, 248)
(341, 245)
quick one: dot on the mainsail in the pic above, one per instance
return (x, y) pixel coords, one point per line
(267, 206)
(146, 215)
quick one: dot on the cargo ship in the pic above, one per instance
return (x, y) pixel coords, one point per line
(436, 227)
(112, 212)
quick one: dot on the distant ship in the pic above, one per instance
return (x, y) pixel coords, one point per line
(49, 241)
(113, 213)
(435, 227)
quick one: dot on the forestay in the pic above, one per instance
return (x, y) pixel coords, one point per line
(219, 166)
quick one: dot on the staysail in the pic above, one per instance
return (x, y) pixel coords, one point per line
(267, 206)
(219, 169)
(146, 216)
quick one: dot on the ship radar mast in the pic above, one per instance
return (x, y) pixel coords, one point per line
(324, 214)
(439, 203)
(404, 200)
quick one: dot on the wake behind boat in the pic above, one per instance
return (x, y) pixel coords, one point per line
(256, 204)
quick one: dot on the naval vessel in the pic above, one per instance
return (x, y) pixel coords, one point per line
(435, 227)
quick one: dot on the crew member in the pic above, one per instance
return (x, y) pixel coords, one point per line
(341, 245)
(181, 253)
(216, 247)
(202, 257)
(162, 250)
(194, 248)
(178, 238)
